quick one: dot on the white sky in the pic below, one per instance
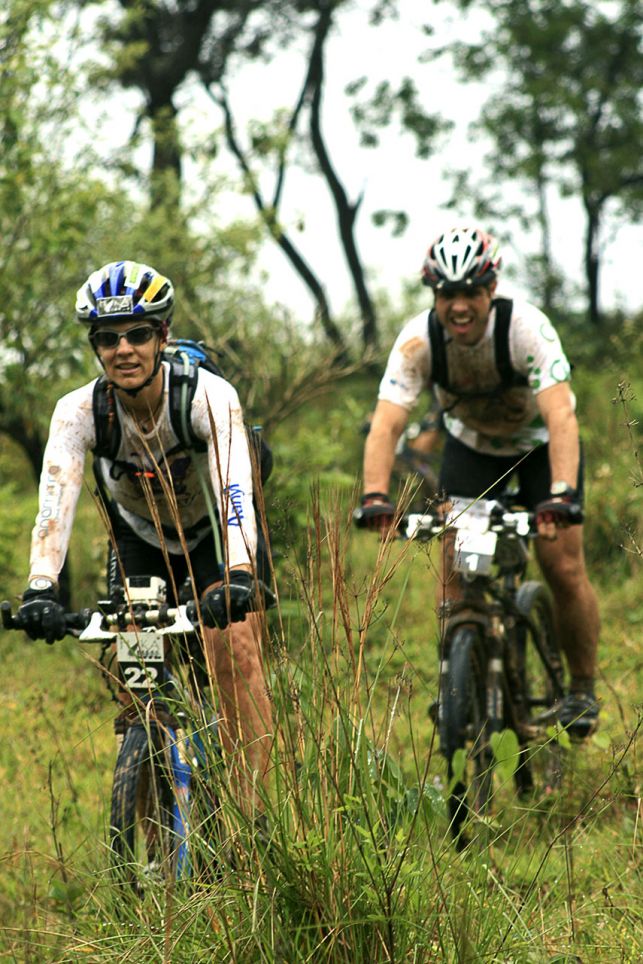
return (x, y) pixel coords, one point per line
(390, 176)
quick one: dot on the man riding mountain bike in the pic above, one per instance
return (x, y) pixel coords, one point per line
(501, 378)
(156, 504)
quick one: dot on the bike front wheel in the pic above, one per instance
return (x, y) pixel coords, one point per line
(142, 813)
(464, 730)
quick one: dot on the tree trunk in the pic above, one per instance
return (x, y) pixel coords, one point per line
(269, 215)
(165, 177)
(592, 263)
(346, 212)
(550, 280)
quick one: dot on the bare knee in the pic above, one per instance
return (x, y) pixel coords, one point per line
(563, 563)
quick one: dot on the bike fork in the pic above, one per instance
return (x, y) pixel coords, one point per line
(181, 778)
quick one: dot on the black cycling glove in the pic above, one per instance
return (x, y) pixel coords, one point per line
(243, 592)
(562, 510)
(375, 513)
(41, 615)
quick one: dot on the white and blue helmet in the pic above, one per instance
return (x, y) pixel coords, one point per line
(125, 289)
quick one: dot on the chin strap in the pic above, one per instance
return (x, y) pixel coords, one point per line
(133, 392)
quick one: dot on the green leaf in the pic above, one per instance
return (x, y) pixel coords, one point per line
(65, 893)
(506, 751)
(458, 765)
(602, 741)
(560, 735)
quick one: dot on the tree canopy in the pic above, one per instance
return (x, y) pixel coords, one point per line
(567, 116)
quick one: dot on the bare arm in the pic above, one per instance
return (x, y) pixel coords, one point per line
(557, 410)
(387, 425)
(556, 407)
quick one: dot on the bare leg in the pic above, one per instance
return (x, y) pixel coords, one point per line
(245, 714)
(576, 609)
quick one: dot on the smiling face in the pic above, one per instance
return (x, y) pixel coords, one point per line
(464, 312)
(128, 365)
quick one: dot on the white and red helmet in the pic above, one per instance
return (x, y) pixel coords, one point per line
(461, 258)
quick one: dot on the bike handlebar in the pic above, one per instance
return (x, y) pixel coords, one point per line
(425, 526)
(104, 623)
(73, 621)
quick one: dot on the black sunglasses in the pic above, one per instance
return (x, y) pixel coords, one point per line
(108, 338)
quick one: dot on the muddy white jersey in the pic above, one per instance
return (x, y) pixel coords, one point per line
(153, 478)
(499, 423)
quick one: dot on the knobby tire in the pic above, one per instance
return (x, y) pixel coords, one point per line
(141, 837)
(464, 726)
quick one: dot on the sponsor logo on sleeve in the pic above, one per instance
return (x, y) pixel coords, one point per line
(235, 494)
(50, 504)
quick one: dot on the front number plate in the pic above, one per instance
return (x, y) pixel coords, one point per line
(140, 657)
(474, 551)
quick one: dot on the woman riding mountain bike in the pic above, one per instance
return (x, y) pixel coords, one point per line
(178, 504)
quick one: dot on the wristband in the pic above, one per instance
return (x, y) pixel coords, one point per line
(561, 490)
(374, 495)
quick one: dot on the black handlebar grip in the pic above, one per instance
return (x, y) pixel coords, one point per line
(8, 620)
(78, 620)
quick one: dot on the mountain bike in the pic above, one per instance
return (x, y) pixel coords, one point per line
(163, 786)
(500, 663)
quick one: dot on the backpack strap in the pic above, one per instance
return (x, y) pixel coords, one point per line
(439, 369)
(506, 372)
(182, 386)
(107, 427)
(509, 377)
(504, 308)
(183, 381)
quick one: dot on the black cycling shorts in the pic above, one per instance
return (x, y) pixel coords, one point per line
(474, 474)
(135, 557)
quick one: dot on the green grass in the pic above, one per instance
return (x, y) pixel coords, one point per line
(361, 867)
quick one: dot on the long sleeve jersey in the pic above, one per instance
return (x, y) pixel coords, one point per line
(153, 477)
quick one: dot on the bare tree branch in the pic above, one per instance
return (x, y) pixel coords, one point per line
(346, 212)
(269, 216)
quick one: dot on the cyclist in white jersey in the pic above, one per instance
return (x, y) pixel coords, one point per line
(524, 423)
(127, 309)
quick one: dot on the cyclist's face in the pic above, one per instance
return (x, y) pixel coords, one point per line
(129, 365)
(464, 312)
